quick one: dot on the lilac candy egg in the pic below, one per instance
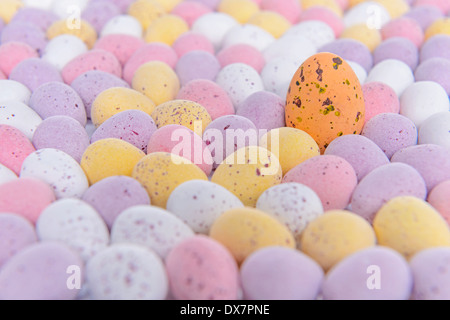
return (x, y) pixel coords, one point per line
(265, 109)
(197, 65)
(436, 46)
(35, 72)
(377, 273)
(25, 32)
(39, 17)
(121, 4)
(58, 99)
(99, 13)
(16, 233)
(90, 84)
(385, 183)
(352, 50)
(113, 195)
(277, 273)
(431, 274)
(397, 48)
(425, 15)
(133, 126)
(42, 271)
(2, 25)
(362, 153)
(62, 133)
(391, 132)
(227, 134)
(431, 161)
(435, 69)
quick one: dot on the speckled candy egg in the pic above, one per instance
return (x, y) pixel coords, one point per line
(199, 203)
(19, 115)
(14, 148)
(153, 227)
(325, 99)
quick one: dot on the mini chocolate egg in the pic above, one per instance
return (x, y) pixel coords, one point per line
(325, 99)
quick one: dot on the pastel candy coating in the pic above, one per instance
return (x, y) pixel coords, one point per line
(379, 98)
(335, 235)
(63, 49)
(212, 4)
(190, 11)
(109, 157)
(404, 27)
(441, 26)
(323, 14)
(20, 116)
(431, 161)
(370, 37)
(2, 76)
(146, 11)
(265, 109)
(27, 33)
(37, 16)
(332, 178)
(195, 203)
(333, 5)
(6, 174)
(291, 146)
(293, 204)
(84, 31)
(239, 81)
(350, 49)
(39, 272)
(440, 4)
(35, 72)
(214, 26)
(359, 71)
(61, 8)
(248, 172)
(436, 70)
(435, 130)
(248, 34)
(9, 8)
(439, 199)
(127, 272)
(14, 149)
(121, 4)
(58, 99)
(425, 15)
(360, 12)
(16, 234)
(383, 184)
(429, 268)
(192, 41)
(163, 86)
(121, 45)
(96, 59)
(149, 52)
(13, 90)
(245, 230)
(76, 224)
(57, 169)
(201, 268)
(122, 24)
(112, 195)
(241, 10)
(278, 273)
(26, 197)
(97, 14)
(391, 132)
(167, 172)
(183, 142)
(437, 46)
(197, 65)
(362, 153)
(133, 126)
(115, 100)
(241, 53)
(397, 48)
(90, 84)
(208, 94)
(354, 278)
(410, 225)
(12, 53)
(152, 227)
(394, 73)
(166, 29)
(270, 21)
(290, 9)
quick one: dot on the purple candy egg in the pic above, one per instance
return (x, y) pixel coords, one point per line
(58, 99)
(63, 133)
(425, 15)
(133, 126)
(35, 72)
(99, 13)
(39, 17)
(362, 153)
(27, 33)
(398, 48)
(121, 4)
(197, 65)
(113, 195)
(265, 109)
(435, 69)
(437, 46)
(383, 184)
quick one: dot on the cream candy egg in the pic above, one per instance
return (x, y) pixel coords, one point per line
(127, 272)
(62, 49)
(199, 203)
(248, 34)
(370, 12)
(19, 115)
(14, 90)
(76, 224)
(59, 170)
(290, 46)
(214, 26)
(122, 24)
(152, 227)
(318, 32)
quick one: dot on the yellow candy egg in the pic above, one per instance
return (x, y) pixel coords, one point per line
(84, 31)
(241, 10)
(182, 112)
(325, 99)
(146, 11)
(110, 157)
(291, 146)
(270, 21)
(441, 26)
(396, 8)
(245, 230)
(160, 173)
(409, 225)
(166, 29)
(157, 81)
(248, 172)
(370, 37)
(8, 8)
(114, 100)
(169, 5)
(335, 235)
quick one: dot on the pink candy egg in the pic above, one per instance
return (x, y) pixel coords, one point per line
(404, 27)
(290, 9)
(14, 148)
(192, 41)
(242, 53)
(379, 98)
(190, 11)
(122, 46)
(439, 198)
(12, 53)
(326, 15)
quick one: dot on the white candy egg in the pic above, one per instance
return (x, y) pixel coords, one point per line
(6, 174)
(19, 115)
(436, 130)
(248, 34)
(11, 90)
(292, 46)
(62, 49)
(394, 73)
(123, 24)
(318, 32)
(214, 26)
